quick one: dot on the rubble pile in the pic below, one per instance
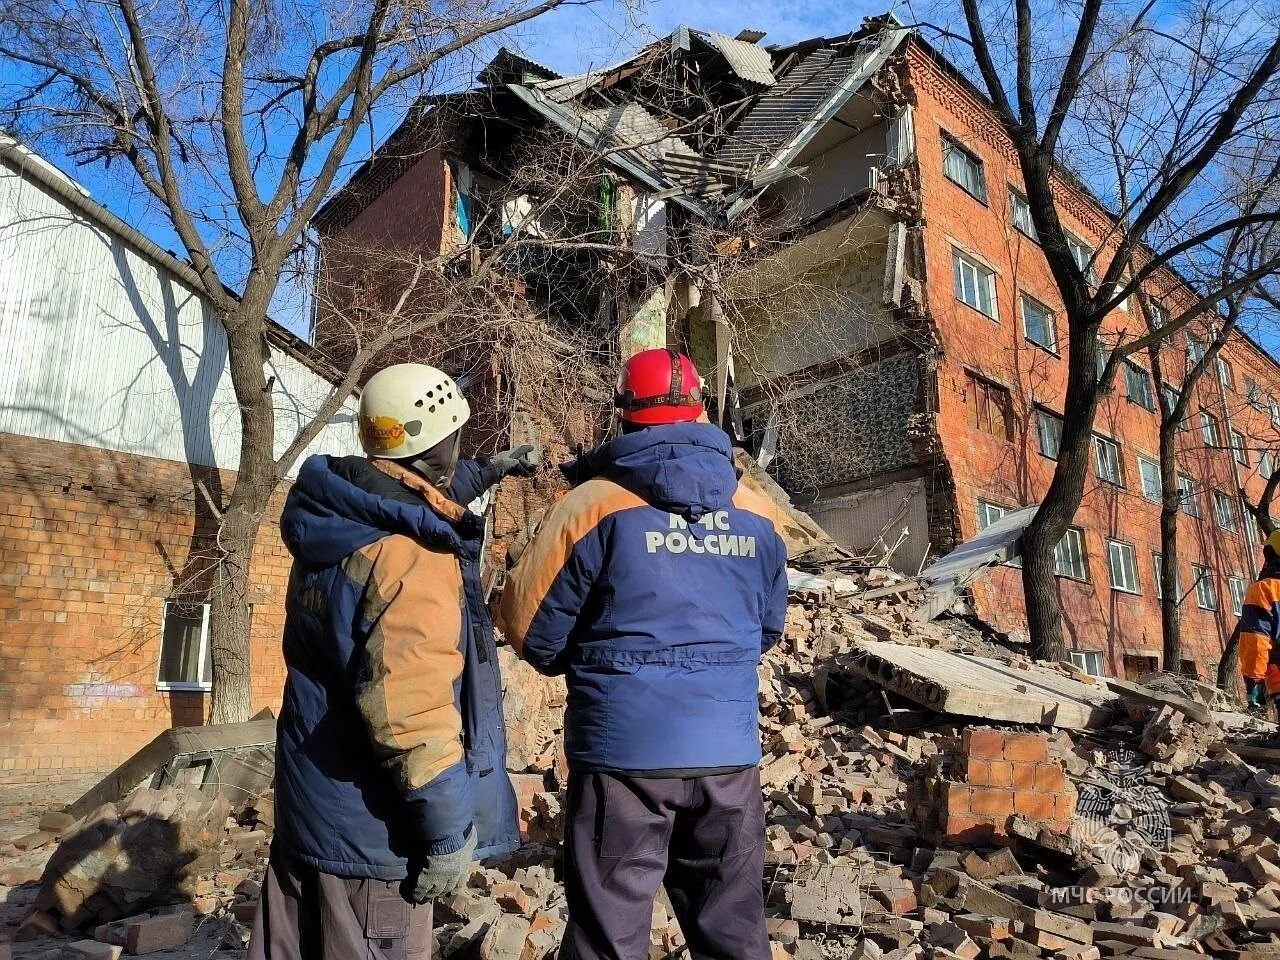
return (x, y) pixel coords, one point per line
(893, 830)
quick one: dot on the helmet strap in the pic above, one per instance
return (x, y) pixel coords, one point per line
(438, 463)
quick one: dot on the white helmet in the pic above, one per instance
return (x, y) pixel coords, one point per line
(407, 409)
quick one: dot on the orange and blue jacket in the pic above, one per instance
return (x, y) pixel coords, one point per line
(1259, 628)
(390, 743)
(654, 586)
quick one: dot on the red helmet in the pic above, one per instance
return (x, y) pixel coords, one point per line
(659, 386)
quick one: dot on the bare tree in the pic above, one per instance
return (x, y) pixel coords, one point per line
(237, 119)
(1156, 107)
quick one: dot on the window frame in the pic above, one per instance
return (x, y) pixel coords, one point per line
(1052, 346)
(183, 686)
(1193, 498)
(1041, 414)
(1226, 372)
(1195, 355)
(1156, 557)
(1210, 430)
(1132, 372)
(1268, 460)
(1239, 450)
(1204, 575)
(1098, 441)
(982, 272)
(1136, 588)
(992, 505)
(1142, 479)
(1084, 556)
(1017, 197)
(1219, 500)
(1237, 604)
(976, 380)
(1083, 662)
(951, 142)
(1253, 394)
(1074, 243)
(1157, 315)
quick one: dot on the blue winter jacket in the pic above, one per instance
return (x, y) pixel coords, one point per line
(390, 741)
(655, 586)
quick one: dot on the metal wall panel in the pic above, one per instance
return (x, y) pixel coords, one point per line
(855, 522)
(101, 346)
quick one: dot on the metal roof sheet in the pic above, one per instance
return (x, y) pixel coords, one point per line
(749, 61)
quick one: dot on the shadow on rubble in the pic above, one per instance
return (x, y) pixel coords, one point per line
(112, 869)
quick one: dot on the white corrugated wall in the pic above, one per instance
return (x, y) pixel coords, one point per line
(101, 346)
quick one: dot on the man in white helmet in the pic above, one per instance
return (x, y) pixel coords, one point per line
(390, 775)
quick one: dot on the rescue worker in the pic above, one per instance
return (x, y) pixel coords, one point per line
(390, 772)
(655, 586)
(1259, 631)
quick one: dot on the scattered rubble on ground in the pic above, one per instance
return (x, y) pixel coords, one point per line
(1125, 822)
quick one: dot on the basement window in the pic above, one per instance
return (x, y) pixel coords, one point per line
(186, 662)
(963, 167)
(1188, 669)
(1087, 660)
(1136, 667)
(1069, 557)
(975, 284)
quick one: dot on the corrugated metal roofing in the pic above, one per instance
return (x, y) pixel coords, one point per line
(787, 104)
(631, 125)
(749, 61)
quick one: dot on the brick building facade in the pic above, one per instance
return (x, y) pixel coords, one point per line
(117, 417)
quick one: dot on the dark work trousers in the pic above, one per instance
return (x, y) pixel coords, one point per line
(305, 914)
(701, 837)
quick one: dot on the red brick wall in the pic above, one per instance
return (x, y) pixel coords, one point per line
(90, 544)
(1013, 473)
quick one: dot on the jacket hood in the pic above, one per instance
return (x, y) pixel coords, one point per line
(683, 468)
(340, 504)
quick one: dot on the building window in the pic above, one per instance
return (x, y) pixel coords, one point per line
(186, 662)
(1206, 592)
(1236, 586)
(1082, 254)
(975, 284)
(1122, 561)
(1171, 395)
(1209, 429)
(1107, 455)
(1275, 412)
(1020, 214)
(1266, 465)
(989, 513)
(1253, 393)
(1226, 374)
(1069, 557)
(1190, 491)
(1177, 579)
(1195, 350)
(1224, 511)
(1088, 661)
(1037, 321)
(990, 407)
(1149, 471)
(1136, 667)
(963, 167)
(1239, 449)
(1137, 383)
(1157, 314)
(1048, 433)
(1188, 669)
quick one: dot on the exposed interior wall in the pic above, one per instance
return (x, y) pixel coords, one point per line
(892, 519)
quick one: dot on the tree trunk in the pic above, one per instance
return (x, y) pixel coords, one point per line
(1229, 665)
(1040, 587)
(1170, 503)
(256, 480)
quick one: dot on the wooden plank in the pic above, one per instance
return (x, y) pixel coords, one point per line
(1250, 754)
(973, 686)
(1157, 698)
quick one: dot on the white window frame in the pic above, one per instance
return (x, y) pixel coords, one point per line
(1275, 411)
(1084, 256)
(1189, 493)
(1143, 463)
(1206, 590)
(951, 145)
(1196, 349)
(1229, 521)
(1051, 323)
(1253, 394)
(984, 281)
(985, 513)
(1048, 416)
(1209, 429)
(1237, 588)
(1266, 465)
(1127, 581)
(1018, 202)
(1226, 373)
(1177, 577)
(1089, 661)
(1158, 315)
(1239, 447)
(1136, 374)
(1099, 443)
(203, 686)
(1073, 535)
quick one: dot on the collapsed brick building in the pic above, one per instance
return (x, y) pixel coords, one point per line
(889, 328)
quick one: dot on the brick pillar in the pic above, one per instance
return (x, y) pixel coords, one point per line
(995, 775)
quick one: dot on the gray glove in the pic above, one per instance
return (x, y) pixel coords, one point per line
(442, 874)
(522, 461)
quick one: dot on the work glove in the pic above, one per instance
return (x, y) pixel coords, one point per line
(522, 461)
(442, 873)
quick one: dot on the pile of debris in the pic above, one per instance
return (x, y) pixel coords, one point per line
(930, 793)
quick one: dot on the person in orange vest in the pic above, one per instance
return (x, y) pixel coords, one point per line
(1259, 630)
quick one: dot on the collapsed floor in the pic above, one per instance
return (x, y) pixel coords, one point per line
(905, 818)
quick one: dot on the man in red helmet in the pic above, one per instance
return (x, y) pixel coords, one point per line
(655, 586)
